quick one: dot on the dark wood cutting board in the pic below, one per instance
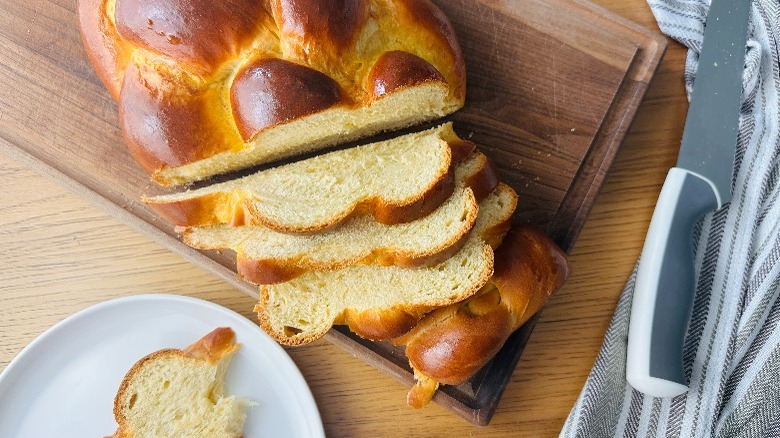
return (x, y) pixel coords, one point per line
(552, 88)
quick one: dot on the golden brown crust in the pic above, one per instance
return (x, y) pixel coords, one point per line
(294, 337)
(432, 19)
(483, 183)
(211, 348)
(529, 268)
(451, 344)
(394, 324)
(494, 235)
(266, 271)
(429, 200)
(167, 124)
(201, 43)
(381, 324)
(210, 209)
(314, 25)
(156, 144)
(270, 91)
(397, 69)
(234, 208)
(422, 391)
(271, 271)
(435, 354)
(107, 52)
(204, 32)
(214, 346)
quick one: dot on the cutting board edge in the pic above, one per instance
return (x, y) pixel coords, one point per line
(622, 113)
(191, 255)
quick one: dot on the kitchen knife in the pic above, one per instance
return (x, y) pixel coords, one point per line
(698, 184)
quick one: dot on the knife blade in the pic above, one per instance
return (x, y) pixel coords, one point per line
(699, 183)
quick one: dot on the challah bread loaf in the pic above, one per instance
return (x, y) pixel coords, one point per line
(450, 344)
(396, 180)
(205, 87)
(367, 296)
(266, 256)
(181, 392)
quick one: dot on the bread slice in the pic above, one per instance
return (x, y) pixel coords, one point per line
(341, 124)
(305, 308)
(181, 392)
(266, 256)
(396, 180)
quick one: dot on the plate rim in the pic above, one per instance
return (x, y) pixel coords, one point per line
(305, 396)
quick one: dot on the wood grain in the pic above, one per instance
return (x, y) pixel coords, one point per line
(61, 254)
(553, 130)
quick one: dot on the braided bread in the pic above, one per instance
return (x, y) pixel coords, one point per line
(366, 297)
(205, 87)
(450, 344)
(321, 191)
(266, 256)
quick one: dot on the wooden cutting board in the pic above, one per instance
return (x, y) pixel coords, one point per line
(552, 88)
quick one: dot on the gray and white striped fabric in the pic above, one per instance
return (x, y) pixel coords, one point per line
(732, 349)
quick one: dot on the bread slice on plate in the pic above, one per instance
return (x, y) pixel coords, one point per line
(381, 302)
(266, 256)
(181, 393)
(395, 181)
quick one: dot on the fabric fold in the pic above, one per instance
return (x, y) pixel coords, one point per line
(732, 347)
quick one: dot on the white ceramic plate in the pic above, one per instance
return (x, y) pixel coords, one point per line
(63, 383)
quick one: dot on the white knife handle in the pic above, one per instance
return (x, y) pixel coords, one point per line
(663, 295)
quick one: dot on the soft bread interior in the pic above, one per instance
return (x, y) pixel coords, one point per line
(303, 309)
(361, 239)
(319, 192)
(338, 125)
(171, 393)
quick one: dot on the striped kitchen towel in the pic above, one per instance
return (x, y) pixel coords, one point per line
(732, 348)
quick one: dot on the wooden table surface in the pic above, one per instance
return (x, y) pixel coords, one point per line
(62, 254)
